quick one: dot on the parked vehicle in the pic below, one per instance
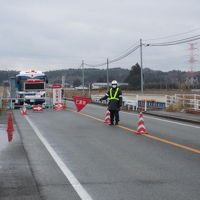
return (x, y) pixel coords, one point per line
(30, 88)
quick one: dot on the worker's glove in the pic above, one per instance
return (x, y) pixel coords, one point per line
(100, 99)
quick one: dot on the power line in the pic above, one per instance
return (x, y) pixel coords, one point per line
(174, 35)
(175, 42)
(125, 55)
(115, 59)
(168, 43)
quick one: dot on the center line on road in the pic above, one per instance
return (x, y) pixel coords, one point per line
(146, 135)
(83, 194)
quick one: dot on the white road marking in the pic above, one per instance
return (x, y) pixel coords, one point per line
(83, 194)
(150, 117)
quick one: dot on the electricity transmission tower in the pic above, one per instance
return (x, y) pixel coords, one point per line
(191, 79)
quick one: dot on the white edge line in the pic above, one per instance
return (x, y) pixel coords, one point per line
(83, 194)
(156, 118)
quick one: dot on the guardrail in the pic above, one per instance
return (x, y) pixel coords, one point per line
(186, 101)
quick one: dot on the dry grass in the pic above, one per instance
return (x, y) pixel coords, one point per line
(178, 107)
(4, 103)
(1, 91)
(70, 93)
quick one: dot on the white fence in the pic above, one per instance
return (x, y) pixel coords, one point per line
(131, 105)
(187, 101)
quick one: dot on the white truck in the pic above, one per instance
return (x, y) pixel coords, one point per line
(30, 88)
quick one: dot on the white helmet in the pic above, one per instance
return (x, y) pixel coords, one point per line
(114, 83)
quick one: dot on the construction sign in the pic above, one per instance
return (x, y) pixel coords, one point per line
(57, 93)
(81, 102)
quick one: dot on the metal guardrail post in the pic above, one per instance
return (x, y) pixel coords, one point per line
(195, 102)
(145, 105)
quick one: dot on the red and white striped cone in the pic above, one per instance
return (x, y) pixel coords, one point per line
(141, 128)
(24, 111)
(107, 118)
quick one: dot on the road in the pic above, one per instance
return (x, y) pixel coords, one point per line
(76, 156)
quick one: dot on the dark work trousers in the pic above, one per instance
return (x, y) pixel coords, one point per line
(114, 115)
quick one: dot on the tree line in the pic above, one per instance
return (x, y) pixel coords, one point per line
(153, 79)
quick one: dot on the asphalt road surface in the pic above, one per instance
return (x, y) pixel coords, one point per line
(76, 156)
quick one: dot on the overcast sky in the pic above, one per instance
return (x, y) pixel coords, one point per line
(58, 34)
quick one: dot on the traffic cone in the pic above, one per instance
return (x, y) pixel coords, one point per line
(10, 128)
(141, 128)
(107, 118)
(24, 111)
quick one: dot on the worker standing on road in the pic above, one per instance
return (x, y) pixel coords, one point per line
(115, 102)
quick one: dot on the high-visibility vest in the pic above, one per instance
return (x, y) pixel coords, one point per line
(114, 97)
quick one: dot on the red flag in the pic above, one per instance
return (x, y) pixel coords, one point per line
(81, 102)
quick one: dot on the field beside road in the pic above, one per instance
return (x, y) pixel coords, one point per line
(1, 91)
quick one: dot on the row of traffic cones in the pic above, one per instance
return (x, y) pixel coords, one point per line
(141, 127)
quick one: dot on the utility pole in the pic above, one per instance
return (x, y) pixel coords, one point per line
(107, 74)
(83, 77)
(141, 65)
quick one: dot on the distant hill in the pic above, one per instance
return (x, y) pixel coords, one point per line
(4, 75)
(91, 75)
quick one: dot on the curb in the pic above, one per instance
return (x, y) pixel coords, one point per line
(173, 117)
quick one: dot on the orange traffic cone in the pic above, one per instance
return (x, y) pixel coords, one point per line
(107, 118)
(141, 128)
(24, 111)
(10, 128)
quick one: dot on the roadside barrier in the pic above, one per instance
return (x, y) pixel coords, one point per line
(141, 128)
(151, 104)
(188, 102)
(10, 128)
(59, 106)
(37, 108)
(107, 118)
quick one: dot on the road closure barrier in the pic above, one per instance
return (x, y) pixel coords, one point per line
(37, 108)
(59, 106)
